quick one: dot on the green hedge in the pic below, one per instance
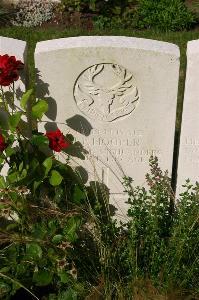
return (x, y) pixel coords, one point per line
(163, 14)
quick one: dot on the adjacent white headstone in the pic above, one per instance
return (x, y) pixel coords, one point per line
(125, 91)
(188, 162)
(13, 47)
(16, 48)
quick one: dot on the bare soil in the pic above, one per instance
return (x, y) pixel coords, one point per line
(71, 20)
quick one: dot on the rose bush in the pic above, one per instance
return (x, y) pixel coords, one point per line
(9, 69)
(42, 200)
(57, 141)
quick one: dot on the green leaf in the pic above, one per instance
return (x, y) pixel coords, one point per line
(42, 277)
(4, 289)
(48, 162)
(39, 140)
(33, 251)
(2, 206)
(5, 270)
(57, 239)
(78, 195)
(10, 151)
(55, 178)
(52, 225)
(64, 276)
(71, 227)
(22, 269)
(23, 174)
(14, 120)
(2, 182)
(13, 177)
(36, 185)
(34, 164)
(21, 166)
(40, 108)
(70, 294)
(39, 231)
(51, 252)
(25, 98)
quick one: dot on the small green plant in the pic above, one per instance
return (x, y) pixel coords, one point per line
(163, 14)
(101, 7)
(162, 242)
(103, 22)
(72, 5)
(156, 251)
(78, 5)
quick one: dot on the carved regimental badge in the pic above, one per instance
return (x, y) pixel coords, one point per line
(106, 92)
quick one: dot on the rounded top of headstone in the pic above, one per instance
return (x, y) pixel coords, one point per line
(108, 41)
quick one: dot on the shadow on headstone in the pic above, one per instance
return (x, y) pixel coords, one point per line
(50, 126)
(82, 173)
(42, 89)
(3, 119)
(19, 93)
(79, 124)
(76, 149)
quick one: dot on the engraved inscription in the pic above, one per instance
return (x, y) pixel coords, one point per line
(191, 150)
(107, 145)
(191, 141)
(106, 92)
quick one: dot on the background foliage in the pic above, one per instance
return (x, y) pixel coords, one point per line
(163, 14)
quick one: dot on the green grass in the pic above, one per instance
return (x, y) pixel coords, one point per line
(32, 36)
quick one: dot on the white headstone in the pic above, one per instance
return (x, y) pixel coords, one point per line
(16, 48)
(188, 162)
(125, 91)
(13, 47)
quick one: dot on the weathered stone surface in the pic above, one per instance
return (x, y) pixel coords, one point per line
(16, 48)
(188, 162)
(118, 95)
(13, 47)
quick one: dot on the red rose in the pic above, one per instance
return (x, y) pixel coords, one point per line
(57, 141)
(3, 145)
(9, 68)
